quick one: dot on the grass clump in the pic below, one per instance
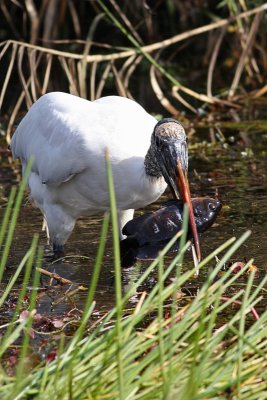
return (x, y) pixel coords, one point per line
(163, 348)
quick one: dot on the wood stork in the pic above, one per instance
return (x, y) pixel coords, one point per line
(67, 136)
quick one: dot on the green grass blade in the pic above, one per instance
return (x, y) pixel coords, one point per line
(118, 288)
(5, 220)
(13, 220)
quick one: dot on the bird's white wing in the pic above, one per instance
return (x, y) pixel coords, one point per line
(48, 134)
(66, 134)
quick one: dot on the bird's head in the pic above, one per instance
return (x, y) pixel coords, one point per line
(169, 145)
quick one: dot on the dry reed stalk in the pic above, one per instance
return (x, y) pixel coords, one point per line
(260, 92)
(245, 52)
(243, 33)
(47, 74)
(76, 74)
(127, 63)
(199, 96)
(34, 20)
(54, 275)
(82, 65)
(213, 60)
(160, 95)
(126, 71)
(23, 94)
(8, 74)
(93, 80)
(148, 48)
(5, 46)
(28, 98)
(140, 303)
(74, 56)
(51, 13)
(72, 85)
(75, 18)
(118, 81)
(82, 73)
(126, 21)
(103, 79)
(35, 85)
(178, 97)
(133, 63)
(14, 115)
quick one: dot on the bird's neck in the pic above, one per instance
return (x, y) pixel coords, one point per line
(151, 165)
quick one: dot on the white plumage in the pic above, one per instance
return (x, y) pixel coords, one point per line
(68, 137)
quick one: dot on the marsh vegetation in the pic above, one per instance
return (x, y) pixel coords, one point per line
(90, 330)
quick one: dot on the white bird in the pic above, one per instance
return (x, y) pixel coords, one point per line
(68, 136)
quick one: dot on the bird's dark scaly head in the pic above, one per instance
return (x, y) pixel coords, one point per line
(206, 211)
(169, 144)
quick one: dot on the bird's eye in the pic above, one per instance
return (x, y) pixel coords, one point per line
(212, 207)
(157, 140)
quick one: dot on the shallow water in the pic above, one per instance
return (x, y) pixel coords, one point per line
(231, 170)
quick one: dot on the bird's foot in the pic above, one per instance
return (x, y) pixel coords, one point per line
(58, 250)
(54, 252)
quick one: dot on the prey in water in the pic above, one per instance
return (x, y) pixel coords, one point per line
(149, 233)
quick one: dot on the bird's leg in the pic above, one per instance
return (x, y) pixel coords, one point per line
(124, 216)
(58, 249)
(54, 251)
(60, 226)
(45, 228)
(48, 253)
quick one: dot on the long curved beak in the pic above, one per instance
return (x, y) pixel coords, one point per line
(183, 185)
(174, 161)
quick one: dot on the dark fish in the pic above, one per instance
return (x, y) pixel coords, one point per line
(149, 233)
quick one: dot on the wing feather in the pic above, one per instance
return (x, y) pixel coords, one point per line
(66, 134)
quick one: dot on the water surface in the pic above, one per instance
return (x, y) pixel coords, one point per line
(234, 170)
